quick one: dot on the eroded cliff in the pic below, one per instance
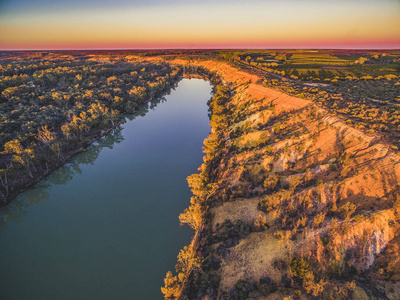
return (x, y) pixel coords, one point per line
(290, 202)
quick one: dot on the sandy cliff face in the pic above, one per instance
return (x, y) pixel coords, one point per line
(320, 199)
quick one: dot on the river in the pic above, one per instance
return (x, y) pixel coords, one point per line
(105, 225)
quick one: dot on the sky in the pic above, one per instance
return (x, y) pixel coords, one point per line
(217, 24)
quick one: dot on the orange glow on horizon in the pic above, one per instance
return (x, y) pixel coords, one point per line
(268, 25)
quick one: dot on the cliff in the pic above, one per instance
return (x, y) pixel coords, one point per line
(301, 205)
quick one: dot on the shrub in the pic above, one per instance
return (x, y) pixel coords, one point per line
(319, 219)
(242, 289)
(348, 209)
(232, 230)
(299, 268)
(279, 234)
(261, 222)
(359, 218)
(325, 240)
(267, 286)
(271, 182)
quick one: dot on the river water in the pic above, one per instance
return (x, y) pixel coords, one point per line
(105, 226)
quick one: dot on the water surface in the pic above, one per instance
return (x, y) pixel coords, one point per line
(105, 226)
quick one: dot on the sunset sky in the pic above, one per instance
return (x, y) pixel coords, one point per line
(140, 24)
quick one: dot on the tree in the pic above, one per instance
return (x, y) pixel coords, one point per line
(48, 138)
(9, 92)
(4, 182)
(21, 155)
(171, 286)
(45, 135)
(280, 57)
(187, 261)
(192, 216)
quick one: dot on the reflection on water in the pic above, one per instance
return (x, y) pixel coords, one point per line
(34, 196)
(15, 211)
(107, 226)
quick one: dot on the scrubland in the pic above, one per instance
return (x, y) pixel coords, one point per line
(292, 201)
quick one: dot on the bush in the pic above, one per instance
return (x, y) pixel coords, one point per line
(271, 182)
(279, 234)
(299, 268)
(231, 232)
(359, 218)
(325, 240)
(319, 219)
(242, 289)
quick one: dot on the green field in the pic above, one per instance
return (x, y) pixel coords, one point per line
(324, 65)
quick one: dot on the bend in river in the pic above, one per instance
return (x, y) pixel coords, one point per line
(105, 226)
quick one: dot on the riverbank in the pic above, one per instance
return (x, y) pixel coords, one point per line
(290, 200)
(25, 179)
(106, 224)
(31, 182)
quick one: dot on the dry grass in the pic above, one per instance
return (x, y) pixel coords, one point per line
(252, 258)
(241, 209)
(251, 139)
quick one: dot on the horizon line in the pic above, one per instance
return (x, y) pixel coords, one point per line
(188, 49)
